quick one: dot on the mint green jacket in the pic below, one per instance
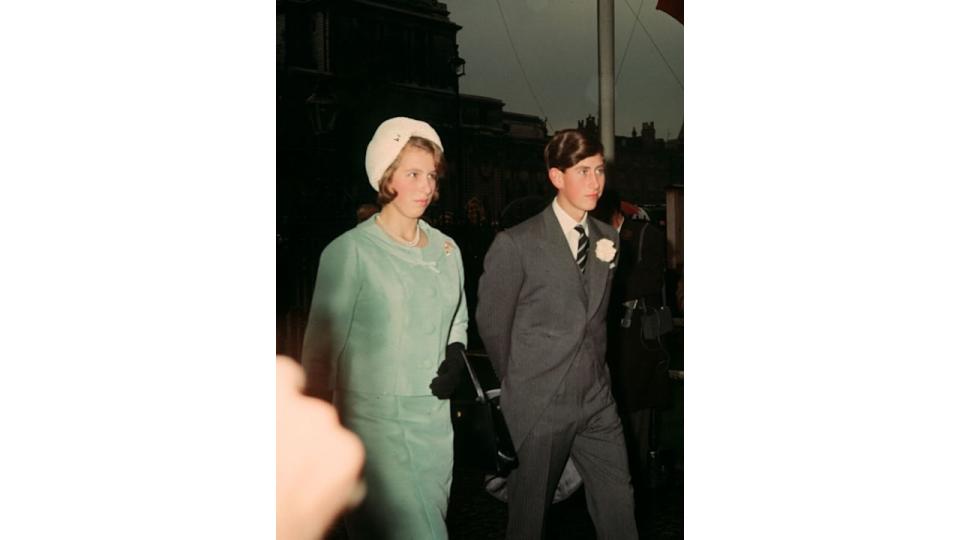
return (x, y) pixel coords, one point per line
(382, 314)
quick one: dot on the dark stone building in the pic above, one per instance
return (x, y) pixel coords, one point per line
(342, 68)
(646, 166)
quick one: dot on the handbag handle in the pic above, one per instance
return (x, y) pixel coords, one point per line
(663, 282)
(481, 396)
(643, 232)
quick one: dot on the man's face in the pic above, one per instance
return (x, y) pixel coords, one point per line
(579, 186)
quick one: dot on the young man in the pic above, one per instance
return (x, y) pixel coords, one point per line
(541, 313)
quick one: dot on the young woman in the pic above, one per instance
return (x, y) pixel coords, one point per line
(387, 323)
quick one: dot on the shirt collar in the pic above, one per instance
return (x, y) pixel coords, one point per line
(567, 223)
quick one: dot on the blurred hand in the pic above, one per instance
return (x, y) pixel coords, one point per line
(318, 461)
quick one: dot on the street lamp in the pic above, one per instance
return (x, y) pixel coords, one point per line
(458, 67)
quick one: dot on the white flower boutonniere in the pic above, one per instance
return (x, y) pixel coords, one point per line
(447, 248)
(605, 250)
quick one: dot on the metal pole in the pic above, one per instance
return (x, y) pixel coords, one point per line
(605, 51)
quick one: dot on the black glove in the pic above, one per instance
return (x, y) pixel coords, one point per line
(449, 372)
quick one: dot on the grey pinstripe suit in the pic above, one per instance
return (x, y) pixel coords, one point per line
(543, 325)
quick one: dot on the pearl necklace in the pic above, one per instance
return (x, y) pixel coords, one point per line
(411, 243)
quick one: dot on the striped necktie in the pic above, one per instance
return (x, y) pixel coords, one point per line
(582, 248)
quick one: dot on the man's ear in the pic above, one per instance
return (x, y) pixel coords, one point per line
(556, 177)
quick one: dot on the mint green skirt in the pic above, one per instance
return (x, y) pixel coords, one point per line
(409, 465)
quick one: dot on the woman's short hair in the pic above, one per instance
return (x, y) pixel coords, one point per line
(385, 194)
(569, 147)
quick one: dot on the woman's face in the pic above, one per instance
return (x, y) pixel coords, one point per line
(414, 181)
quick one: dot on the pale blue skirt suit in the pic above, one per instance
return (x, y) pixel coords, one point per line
(381, 317)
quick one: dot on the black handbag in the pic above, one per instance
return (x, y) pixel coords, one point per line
(656, 321)
(481, 438)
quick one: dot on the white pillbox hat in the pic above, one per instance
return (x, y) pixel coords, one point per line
(389, 139)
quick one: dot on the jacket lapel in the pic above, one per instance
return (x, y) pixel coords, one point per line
(561, 261)
(597, 270)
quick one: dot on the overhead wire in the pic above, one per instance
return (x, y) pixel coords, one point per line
(627, 47)
(636, 15)
(520, 63)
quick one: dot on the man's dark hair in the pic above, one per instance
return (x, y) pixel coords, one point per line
(570, 146)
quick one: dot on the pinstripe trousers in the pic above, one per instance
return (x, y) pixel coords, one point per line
(580, 422)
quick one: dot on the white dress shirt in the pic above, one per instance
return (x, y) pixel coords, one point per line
(567, 224)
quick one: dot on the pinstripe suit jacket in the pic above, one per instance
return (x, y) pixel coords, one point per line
(537, 314)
